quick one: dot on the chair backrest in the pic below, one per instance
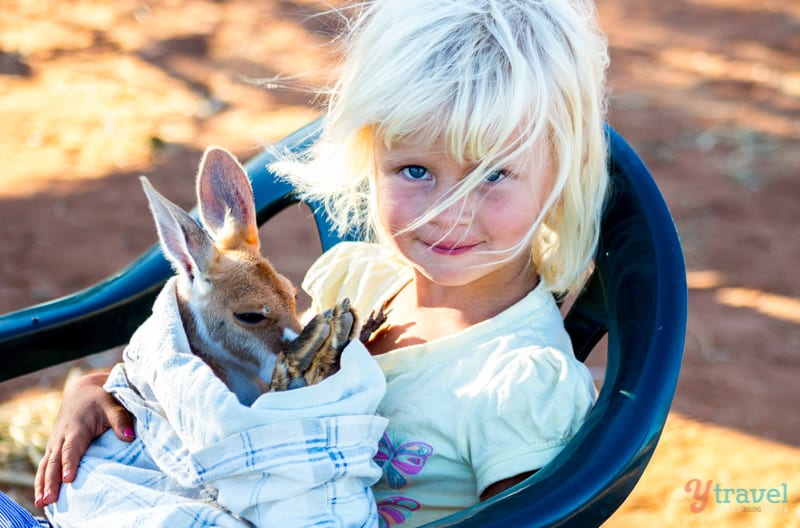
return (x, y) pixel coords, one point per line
(636, 294)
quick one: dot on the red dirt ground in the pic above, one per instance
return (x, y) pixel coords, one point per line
(93, 94)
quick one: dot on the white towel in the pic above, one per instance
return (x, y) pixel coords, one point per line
(297, 458)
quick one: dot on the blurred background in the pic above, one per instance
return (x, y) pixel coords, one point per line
(93, 94)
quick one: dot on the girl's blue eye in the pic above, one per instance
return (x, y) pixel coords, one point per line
(415, 172)
(495, 177)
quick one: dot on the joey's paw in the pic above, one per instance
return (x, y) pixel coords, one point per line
(343, 325)
(301, 351)
(298, 355)
(372, 324)
(342, 321)
(315, 353)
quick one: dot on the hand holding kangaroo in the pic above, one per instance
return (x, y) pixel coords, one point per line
(239, 314)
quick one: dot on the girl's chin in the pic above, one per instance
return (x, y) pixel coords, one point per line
(446, 276)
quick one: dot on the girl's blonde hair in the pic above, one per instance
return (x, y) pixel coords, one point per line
(493, 79)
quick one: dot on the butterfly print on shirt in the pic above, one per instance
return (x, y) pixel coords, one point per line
(395, 510)
(401, 462)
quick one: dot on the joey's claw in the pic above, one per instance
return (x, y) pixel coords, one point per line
(372, 324)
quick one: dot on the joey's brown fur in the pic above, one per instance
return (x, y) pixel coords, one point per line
(239, 314)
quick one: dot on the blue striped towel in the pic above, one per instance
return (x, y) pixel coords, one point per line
(12, 515)
(297, 458)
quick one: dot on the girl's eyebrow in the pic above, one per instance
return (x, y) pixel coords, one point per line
(405, 155)
(399, 155)
(401, 152)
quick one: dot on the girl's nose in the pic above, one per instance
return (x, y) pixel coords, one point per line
(460, 212)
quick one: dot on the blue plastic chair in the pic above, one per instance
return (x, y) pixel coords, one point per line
(636, 294)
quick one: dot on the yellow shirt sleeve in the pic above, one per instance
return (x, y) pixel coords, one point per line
(552, 396)
(365, 273)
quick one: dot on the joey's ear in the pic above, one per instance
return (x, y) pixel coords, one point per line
(226, 200)
(183, 241)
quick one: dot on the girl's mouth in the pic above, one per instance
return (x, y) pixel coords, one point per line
(455, 248)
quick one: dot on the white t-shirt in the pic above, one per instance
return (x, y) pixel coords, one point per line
(487, 403)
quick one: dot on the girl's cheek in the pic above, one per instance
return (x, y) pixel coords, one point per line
(396, 207)
(515, 208)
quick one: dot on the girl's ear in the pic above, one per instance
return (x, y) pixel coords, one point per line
(226, 200)
(185, 244)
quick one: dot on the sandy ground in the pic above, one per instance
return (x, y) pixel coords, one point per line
(93, 94)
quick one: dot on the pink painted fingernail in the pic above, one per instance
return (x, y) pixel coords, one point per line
(128, 432)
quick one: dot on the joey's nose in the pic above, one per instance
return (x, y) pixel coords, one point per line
(290, 325)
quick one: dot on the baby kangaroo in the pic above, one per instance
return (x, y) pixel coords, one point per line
(239, 314)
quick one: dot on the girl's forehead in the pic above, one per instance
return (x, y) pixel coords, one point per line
(513, 150)
(422, 151)
(415, 144)
(435, 143)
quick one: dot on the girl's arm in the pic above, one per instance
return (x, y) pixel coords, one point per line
(503, 485)
(87, 411)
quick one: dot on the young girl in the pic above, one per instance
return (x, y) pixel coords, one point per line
(465, 140)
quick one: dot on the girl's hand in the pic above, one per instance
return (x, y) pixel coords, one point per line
(87, 411)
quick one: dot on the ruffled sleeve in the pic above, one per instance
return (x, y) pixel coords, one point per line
(360, 271)
(533, 403)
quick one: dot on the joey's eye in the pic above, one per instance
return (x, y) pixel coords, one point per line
(415, 172)
(250, 318)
